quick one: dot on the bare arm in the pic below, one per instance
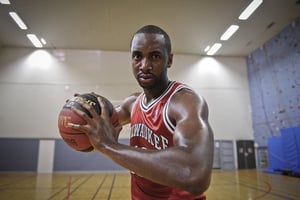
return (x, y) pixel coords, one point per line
(187, 165)
(124, 110)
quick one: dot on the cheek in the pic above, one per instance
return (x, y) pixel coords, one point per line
(134, 69)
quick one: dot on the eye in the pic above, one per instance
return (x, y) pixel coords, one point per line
(136, 56)
(156, 56)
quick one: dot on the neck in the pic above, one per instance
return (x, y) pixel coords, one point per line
(153, 93)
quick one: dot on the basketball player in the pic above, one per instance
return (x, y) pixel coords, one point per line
(171, 142)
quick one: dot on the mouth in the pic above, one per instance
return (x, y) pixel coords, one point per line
(145, 78)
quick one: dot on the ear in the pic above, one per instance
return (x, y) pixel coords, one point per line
(170, 60)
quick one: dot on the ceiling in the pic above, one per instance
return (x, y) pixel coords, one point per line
(109, 24)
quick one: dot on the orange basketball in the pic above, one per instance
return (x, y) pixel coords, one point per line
(74, 138)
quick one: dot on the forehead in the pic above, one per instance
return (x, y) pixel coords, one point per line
(149, 41)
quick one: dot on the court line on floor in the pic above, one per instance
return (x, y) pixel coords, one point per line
(269, 189)
(99, 187)
(17, 180)
(83, 182)
(264, 191)
(62, 189)
(111, 188)
(69, 187)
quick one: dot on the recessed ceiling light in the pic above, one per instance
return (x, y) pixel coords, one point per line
(206, 48)
(214, 49)
(18, 20)
(34, 40)
(43, 41)
(250, 9)
(229, 32)
(4, 2)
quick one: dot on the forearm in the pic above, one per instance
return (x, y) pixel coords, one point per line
(173, 166)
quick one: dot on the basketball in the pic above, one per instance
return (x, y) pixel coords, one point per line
(74, 138)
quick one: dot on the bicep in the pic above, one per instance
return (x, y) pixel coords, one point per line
(192, 130)
(193, 135)
(124, 110)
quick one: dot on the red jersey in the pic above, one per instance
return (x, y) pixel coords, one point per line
(151, 128)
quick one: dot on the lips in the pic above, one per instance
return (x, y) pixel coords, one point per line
(145, 76)
(145, 79)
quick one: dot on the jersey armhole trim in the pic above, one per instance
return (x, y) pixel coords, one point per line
(167, 121)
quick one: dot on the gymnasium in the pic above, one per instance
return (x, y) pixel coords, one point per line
(246, 66)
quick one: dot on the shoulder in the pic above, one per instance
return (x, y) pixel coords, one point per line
(184, 93)
(186, 103)
(131, 99)
(125, 108)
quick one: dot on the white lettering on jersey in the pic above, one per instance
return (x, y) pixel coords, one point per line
(156, 140)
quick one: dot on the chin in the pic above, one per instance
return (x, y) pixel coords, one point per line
(146, 86)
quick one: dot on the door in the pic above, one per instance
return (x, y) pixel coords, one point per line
(227, 154)
(246, 154)
(217, 158)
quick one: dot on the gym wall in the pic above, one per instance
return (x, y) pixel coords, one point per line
(34, 85)
(274, 80)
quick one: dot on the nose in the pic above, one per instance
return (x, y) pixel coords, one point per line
(145, 65)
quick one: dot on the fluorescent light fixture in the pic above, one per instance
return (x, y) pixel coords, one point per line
(214, 49)
(34, 40)
(250, 9)
(18, 20)
(4, 2)
(43, 41)
(229, 32)
(206, 48)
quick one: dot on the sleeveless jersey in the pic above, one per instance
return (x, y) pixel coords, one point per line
(151, 128)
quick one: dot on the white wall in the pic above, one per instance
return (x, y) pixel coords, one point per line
(223, 82)
(34, 85)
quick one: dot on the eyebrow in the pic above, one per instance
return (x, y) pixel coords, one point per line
(136, 52)
(140, 52)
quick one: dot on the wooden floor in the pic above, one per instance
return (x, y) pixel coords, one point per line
(229, 185)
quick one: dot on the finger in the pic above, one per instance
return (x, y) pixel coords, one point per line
(89, 108)
(81, 114)
(104, 113)
(75, 95)
(79, 127)
(74, 126)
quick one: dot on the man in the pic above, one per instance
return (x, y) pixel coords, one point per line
(171, 143)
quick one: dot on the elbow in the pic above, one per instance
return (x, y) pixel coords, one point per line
(196, 185)
(198, 188)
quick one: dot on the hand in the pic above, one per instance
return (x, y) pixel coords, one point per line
(98, 128)
(75, 95)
